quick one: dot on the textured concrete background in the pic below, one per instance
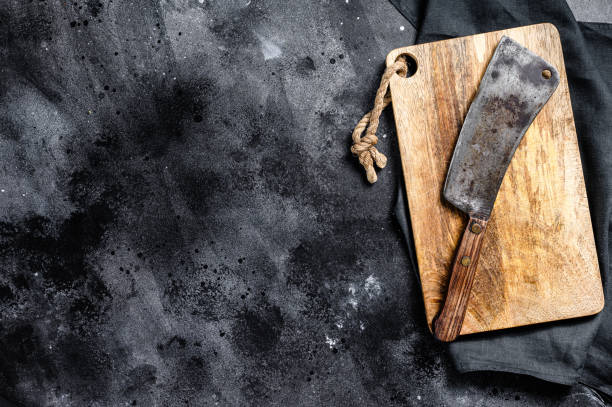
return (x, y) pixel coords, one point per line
(182, 222)
(592, 11)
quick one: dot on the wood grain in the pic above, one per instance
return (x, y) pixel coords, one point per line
(447, 325)
(538, 261)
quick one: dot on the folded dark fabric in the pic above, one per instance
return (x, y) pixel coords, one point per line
(572, 351)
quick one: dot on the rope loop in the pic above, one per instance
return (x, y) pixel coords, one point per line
(363, 147)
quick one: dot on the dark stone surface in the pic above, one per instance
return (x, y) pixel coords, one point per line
(182, 222)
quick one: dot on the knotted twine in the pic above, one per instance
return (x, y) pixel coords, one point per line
(363, 147)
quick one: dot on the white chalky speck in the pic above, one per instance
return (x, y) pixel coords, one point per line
(372, 286)
(269, 49)
(330, 341)
(201, 1)
(357, 18)
(2, 190)
(418, 397)
(401, 28)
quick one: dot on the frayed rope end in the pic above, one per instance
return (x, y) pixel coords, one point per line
(363, 147)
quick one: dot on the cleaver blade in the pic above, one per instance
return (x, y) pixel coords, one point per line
(515, 86)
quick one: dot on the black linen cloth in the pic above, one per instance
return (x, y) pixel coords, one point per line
(578, 350)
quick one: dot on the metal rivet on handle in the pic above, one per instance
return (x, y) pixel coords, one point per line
(465, 261)
(476, 228)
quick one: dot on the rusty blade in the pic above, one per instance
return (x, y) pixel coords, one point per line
(514, 88)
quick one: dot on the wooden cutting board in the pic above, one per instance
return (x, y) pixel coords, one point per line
(538, 262)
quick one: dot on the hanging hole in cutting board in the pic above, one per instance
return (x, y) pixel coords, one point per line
(411, 63)
(546, 74)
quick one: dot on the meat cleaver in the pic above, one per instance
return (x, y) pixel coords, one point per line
(515, 86)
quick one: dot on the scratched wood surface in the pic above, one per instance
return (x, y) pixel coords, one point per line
(538, 261)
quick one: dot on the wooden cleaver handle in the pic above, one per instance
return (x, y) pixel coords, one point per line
(447, 324)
